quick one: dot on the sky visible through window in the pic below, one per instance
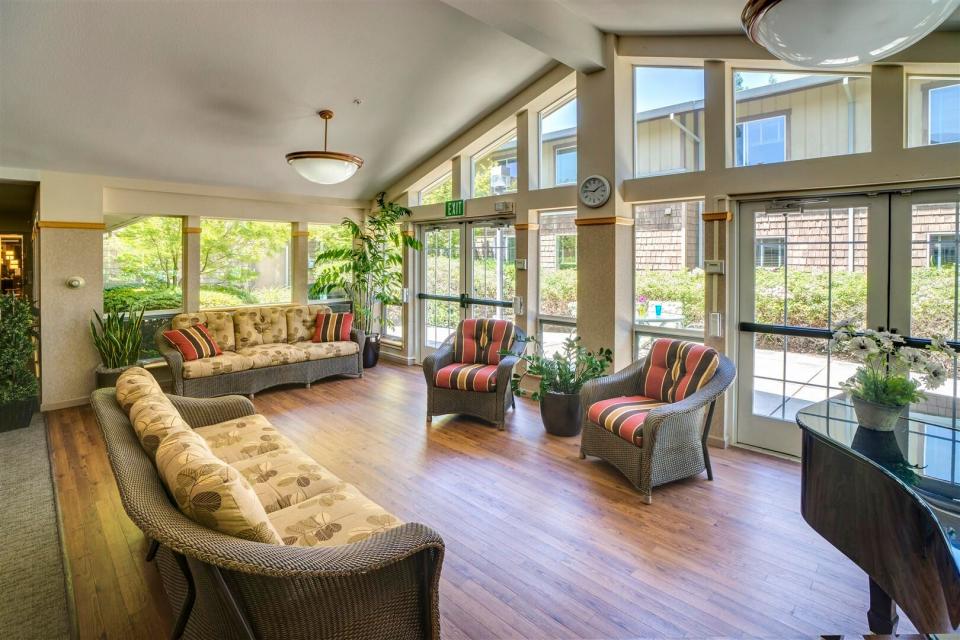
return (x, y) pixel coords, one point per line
(563, 118)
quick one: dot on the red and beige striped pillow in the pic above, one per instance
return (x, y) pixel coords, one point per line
(333, 327)
(193, 342)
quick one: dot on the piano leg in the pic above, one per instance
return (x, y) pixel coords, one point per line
(882, 615)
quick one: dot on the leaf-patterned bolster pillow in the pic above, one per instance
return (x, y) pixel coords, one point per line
(193, 342)
(333, 327)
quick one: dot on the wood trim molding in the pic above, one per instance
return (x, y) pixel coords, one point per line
(301, 234)
(620, 220)
(526, 226)
(188, 230)
(718, 216)
(409, 232)
(56, 224)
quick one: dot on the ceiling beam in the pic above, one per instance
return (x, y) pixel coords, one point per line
(546, 25)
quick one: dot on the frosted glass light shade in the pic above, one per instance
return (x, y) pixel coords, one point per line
(324, 167)
(841, 33)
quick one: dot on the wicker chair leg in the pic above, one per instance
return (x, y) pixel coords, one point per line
(187, 607)
(306, 386)
(647, 498)
(501, 426)
(250, 395)
(429, 418)
(706, 461)
(703, 440)
(513, 401)
(583, 456)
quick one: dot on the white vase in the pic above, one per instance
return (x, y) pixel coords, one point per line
(879, 417)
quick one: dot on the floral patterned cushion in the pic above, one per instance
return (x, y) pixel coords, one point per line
(218, 323)
(302, 321)
(227, 362)
(133, 384)
(178, 442)
(260, 325)
(321, 350)
(269, 355)
(334, 518)
(286, 477)
(243, 438)
(153, 419)
(214, 494)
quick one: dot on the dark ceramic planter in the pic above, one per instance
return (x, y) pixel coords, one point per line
(562, 413)
(17, 414)
(108, 377)
(371, 351)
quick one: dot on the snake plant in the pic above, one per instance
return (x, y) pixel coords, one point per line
(118, 337)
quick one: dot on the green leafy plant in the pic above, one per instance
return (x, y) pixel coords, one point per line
(565, 371)
(371, 269)
(18, 377)
(118, 337)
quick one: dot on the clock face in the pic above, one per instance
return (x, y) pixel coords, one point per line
(594, 191)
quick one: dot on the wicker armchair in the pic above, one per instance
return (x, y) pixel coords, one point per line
(667, 438)
(488, 405)
(223, 587)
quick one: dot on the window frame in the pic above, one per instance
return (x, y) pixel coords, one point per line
(556, 164)
(760, 244)
(941, 240)
(489, 150)
(927, 92)
(433, 185)
(561, 263)
(740, 124)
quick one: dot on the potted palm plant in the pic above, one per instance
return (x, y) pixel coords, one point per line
(562, 375)
(370, 271)
(18, 376)
(118, 337)
(881, 388)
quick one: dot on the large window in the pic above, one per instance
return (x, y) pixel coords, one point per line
(142, 263)
(323, 237)
(933, 110)
(439, 190)
(668, 103)
(782, 116)
(495, 168)
(244, 262)
(558, 144)
(558, 278)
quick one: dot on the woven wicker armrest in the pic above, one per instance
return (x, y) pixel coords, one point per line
(438, 359)
(358, 336)
(505, 371)
(200, 412)
(173, 357)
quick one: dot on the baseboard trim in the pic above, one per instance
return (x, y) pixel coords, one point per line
(398, 358)
(720, 442)
(63, 404)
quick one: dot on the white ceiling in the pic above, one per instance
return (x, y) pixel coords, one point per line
(219, 92)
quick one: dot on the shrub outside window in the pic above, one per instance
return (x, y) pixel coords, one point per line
(669, 122)
(933, 110)
(495, 168)
(558, 144)
(244, 262)
(558, 264)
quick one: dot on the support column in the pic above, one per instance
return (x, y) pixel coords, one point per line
(887, 109)
(716, 226)
(605, 234)
(525, 221)
(190, 282)
(300, 276)
(460, 175)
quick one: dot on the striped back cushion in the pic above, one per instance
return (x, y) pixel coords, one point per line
(193, 342)
(480, 340)
(674, 369)
(333, 327)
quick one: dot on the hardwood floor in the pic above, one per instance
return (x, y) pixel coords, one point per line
(539, 543)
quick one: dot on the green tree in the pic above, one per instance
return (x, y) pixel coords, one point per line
(231, 249)
(149, 251)
(441, 193)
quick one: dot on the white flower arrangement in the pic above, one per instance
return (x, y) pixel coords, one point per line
(884, 378)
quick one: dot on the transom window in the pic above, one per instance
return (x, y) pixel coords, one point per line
(495, 168)
(440, 190)
(558, 143)
(565, 165)
(944, 114)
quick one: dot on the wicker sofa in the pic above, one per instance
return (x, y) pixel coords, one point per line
(312, 586)
(262, 347)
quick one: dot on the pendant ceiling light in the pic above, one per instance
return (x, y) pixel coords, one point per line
(841, 33)
(325, 167)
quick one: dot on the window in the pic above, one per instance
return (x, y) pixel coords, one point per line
(323, 237)
(933, 110)
(770, 252)
(244, 262)
(782, 116)
(495, 168)
(558, 144)
(558, 264)
(943, 249)
(761, 141)
(439, 190)
(668, 127)
(142, 263)
(392, 323)
(567, 251)
(944, 115)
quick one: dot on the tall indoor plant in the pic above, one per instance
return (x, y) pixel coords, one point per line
(19, 386)
(370, 270)
(118, 336)
(562, 375)
(881, 388)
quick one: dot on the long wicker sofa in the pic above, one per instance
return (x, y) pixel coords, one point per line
(357, 580)
(262, 347)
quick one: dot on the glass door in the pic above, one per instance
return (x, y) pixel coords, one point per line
(806, 267)
(481, 286)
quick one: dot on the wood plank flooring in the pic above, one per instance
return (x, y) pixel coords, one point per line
(539, 543)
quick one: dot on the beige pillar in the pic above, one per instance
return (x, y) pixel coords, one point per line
(716, 226)
(460, 175)
(605, 234)
(887, 109)
(191, 263)
(525, 220)
(299, 276)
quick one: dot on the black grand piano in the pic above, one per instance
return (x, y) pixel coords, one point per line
(890, 501)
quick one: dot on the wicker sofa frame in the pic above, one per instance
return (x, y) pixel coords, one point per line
(223, 587)
(490, 406)
(253, 380)
(674, 435)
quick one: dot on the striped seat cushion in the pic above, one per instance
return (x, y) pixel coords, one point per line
(623, 416)
(480, 340)
(675, 369)
(468, 377)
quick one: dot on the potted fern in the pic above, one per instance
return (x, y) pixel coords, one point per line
(117, 337)
(562, 375)
(19, 386)
(370, 271)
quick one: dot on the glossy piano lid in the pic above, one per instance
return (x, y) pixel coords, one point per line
(922, 452)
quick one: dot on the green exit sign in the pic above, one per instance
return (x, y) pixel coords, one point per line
(453, 209)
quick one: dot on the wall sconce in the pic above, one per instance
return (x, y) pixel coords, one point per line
(76, 282)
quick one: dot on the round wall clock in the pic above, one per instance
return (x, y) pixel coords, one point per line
(594, 191)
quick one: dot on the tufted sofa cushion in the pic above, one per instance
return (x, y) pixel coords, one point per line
(260, 325)
(302, 321)
(219, 324)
